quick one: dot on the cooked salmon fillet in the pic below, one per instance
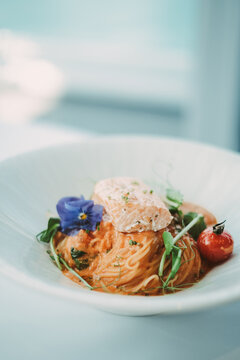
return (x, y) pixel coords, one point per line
(131, 205)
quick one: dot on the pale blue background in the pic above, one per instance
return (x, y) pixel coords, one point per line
(206, 32)
(164, 23)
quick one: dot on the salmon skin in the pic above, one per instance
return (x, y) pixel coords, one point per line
(131, 205)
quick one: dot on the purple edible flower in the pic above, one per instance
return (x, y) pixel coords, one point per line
(77, 213)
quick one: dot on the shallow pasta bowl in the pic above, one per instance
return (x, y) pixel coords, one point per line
(31, 185)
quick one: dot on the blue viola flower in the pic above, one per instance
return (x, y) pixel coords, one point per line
(77, 213)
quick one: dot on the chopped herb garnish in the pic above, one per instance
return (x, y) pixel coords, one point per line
(81, 264)
(125, 198)
(151, 191)
(109, 197)
(87, 231)
(200, 225)
(144, 191)
(74, 273)
(77, 253)
(133, 242)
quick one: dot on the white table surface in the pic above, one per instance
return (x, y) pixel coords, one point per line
(37, 326)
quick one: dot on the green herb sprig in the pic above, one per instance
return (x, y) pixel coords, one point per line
(174, 199)
(174, 250)
(47, 236)
(196, 230)
(75, 273)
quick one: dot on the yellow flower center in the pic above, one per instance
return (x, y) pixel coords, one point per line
(82, 216)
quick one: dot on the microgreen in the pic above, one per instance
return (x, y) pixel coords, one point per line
(45, 235)
(176, 262)
(174, 196)
(168, 242)
(50, 255)
(174, 250)
(200, 225)
(174, 199)
(56, 257)
(48, 235)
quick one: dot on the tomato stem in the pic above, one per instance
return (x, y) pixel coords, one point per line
(219, 228)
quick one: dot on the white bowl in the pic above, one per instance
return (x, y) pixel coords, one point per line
(31, 184)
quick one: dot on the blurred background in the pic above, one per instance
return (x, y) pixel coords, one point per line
(161, 67)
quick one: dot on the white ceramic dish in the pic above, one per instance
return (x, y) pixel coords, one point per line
(31, 184)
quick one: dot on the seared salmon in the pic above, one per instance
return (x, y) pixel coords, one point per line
(131, 205)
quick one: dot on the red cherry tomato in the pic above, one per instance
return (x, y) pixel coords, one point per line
(215, 244)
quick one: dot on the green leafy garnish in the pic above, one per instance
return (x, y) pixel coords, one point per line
(48, 235)
(45, 235)
(81, 264)
(196, 230)
(175, 211)
(168, 242)
(132, 242)
(174, 250)
(174, 198)
(176, 262)
(77, 253)
(50, 255)
(74, 273)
